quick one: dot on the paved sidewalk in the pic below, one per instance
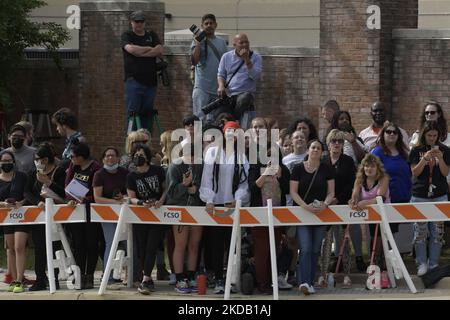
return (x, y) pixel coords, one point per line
(164, 291)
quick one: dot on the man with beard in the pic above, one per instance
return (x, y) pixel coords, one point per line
(369, 135)
(205, 56)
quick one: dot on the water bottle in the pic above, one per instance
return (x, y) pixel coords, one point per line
(201, 284)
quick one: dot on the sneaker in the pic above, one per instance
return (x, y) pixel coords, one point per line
(8, 278)
(431, 267)
(282, 283)
(321, 283)
(311, 290)
(347, 284)
(423, 268)
(145, 287)
(172, 279)
(219, 288)
(193, 286)
(182, 286)
(19, 288)
(38, 286)
(12, 285)
(360, 264)
(304, 288)
(28, 282)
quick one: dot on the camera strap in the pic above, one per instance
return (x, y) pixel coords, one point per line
(213, 48)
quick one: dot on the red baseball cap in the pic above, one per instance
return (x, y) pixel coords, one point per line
(231, 124)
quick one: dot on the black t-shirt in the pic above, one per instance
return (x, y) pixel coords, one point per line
(142, 69)
(320, 185)
(421, 183)
(147, 185)
(14, 188)
(344, 176)
(112, 183)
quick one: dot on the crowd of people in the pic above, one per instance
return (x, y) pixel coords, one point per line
(341, 167)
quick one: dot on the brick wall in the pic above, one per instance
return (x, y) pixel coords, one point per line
(355, 62)
(101, 93)
(421, 72)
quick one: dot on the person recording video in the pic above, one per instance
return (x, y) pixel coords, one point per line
(206, 51)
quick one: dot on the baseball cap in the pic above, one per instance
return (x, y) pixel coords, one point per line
(137, 15)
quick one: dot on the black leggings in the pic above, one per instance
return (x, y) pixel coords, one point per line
(217, 240)
(85, 243)
(149, 237)
(40, 252)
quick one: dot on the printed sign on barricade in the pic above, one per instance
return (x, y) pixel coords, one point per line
(22, 215)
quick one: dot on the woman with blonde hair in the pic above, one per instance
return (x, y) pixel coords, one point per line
(134, 138)
(166, 148)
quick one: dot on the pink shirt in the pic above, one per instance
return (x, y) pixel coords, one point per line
(373, 193)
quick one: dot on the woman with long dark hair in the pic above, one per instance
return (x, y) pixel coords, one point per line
(430, 161)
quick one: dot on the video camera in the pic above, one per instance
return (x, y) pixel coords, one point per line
(219, 102)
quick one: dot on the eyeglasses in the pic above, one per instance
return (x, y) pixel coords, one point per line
(430, 113)
(337, 141)
(391, 132)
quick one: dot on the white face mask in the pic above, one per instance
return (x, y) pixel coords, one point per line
(229, 134)
(40, 167)
(111, 168)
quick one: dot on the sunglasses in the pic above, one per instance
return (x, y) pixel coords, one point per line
(334, 141)
(391, 132)
(430, 112)
(139, 21)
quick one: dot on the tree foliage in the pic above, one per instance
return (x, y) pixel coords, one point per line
(17, 32)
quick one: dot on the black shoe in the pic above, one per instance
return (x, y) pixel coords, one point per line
(360, 264)
(146, 287)
(89, 281)
(38, 286)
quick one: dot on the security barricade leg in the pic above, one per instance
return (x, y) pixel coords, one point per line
(389, 266)
(120, 226)
(273, 254)
(234, 233)
(49, 243)
(395, 253)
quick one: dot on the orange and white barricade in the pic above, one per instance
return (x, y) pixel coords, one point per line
(55, 215)
(126, 215)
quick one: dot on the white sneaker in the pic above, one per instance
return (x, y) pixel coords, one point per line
(423, 268)
(304, 288)
(347, 284)
(282, 283)
(311, 290)
(172, 279)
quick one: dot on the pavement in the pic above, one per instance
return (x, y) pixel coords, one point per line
(164, 291)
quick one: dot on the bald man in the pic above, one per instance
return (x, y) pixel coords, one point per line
(238, 72)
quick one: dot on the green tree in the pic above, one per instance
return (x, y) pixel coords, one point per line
(17, 32)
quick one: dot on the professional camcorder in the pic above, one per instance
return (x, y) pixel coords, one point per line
(199, 34)
(220, 102)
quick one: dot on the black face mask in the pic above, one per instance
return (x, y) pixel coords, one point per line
(139, 161)
(7, 167)
(17, 143)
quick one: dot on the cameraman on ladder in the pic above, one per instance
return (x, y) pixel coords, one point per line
(206, 51)
(238, 72)
(140, 50)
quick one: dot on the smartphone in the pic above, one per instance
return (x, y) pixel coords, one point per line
(316, 203)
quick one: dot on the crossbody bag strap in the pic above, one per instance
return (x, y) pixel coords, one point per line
(214, 49)
(237, 69)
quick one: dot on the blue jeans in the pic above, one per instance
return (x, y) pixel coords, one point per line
(139, 100)
(201, 98)
(309, 239)
(434, 231)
